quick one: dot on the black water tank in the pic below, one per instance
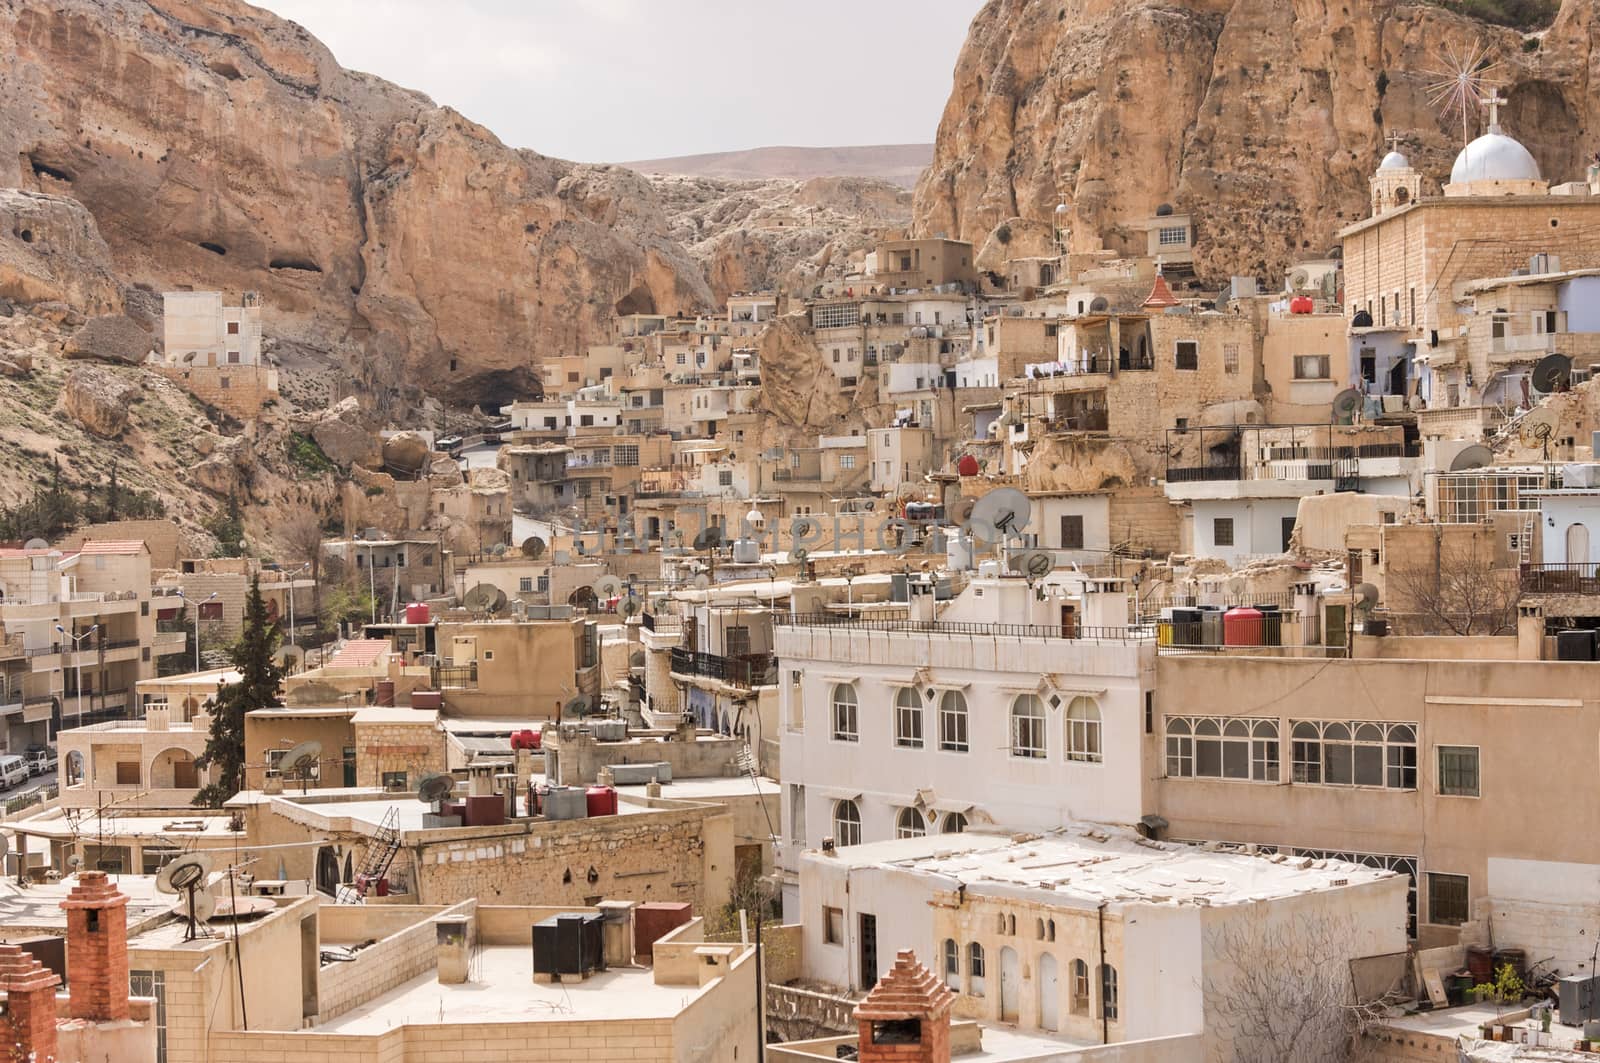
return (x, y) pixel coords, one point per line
(1575, 644)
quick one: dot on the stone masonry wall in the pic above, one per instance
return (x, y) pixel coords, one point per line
(379, 968)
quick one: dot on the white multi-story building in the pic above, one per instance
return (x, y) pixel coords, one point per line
(198, 330)
(1018, 703)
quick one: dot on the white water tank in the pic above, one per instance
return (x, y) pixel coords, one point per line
(958, 552)
(989, 569)
(746, 551)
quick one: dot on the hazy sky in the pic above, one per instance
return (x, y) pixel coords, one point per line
(614, 80)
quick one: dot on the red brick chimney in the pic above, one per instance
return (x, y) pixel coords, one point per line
(906, 1017)
(29, 1025)
(97, 949)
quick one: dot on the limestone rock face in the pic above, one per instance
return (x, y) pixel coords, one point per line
(221, 147)
(1263, 118)
(343, 437)
(99, 399)
(50, 248)
(111, 338)
(803, 396)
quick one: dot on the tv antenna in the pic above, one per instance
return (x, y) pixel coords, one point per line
(186, 876)
(1458, 84)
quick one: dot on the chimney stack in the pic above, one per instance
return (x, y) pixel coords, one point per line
(906, 1017)
(97, 948)
(30, 1016)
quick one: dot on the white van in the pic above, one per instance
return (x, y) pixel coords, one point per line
(13, 769)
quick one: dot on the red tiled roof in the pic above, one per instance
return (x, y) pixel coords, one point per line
(909, 990)
(359, 653)
(112, 546)
(1160, 294)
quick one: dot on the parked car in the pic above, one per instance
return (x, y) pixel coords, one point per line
(13, 770)
(40, 761)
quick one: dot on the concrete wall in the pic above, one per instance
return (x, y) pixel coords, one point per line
(394, 960)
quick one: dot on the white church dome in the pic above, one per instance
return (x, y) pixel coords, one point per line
(1494, 157)
(1395, 161)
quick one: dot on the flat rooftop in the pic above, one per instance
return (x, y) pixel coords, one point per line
(1104, 863)
(39, 906)
(121, 823)
(502, 990)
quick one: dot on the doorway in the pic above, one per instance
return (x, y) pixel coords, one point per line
(1577, 544)
(869, 950)
(1049, 994)
(1010, 984)
(1069, 621)
(1288, 532)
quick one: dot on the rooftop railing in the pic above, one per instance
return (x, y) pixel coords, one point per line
(749, 670)
(1580, 578)
(905, 625)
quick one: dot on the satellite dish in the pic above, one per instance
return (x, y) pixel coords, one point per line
(803, 528)
(1035, 564)
(1298, 280)
(629, 606)
(1366, 595)
(1473, 457)
(1346, 405)
(1000, 514)
(1099, 305)
(635, 660)
(1537, 427)
(288, 655)
(36, 544)
(484, 598)
(1553, 373)
(75, 861)
(577, 705)
(709, 538)
(533, 547)
(434, 788)
(185, 873)
(800, 554)
(203, 907)
(701, 581)
(301, 760)
(606, 587)
(961, 511)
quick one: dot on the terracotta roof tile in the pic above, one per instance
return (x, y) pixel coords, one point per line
(359, 653)
(909, 990)
(1160, 294)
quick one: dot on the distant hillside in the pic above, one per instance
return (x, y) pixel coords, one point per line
(901, 164)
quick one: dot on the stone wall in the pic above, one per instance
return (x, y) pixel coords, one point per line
(238, 390)
(414, 748)
(393, 961)
(795, 1014)
(1142, 517)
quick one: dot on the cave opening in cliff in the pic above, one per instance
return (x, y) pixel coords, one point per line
(637, 301)
(304, 265)
(215, 249)
(493, 390)
(27, 236)
(44, 169)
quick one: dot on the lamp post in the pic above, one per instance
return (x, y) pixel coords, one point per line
(197, 605)
(292, 575)
(77, 663)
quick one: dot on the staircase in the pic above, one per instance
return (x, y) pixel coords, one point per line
(380, 854)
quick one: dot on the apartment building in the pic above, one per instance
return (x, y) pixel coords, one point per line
(1010, 703)
(216, 352)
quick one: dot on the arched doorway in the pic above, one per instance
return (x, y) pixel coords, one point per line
(1010, 984)
(74, 768)
(1577, 544)
(328, 871)
(1049, 994)
(173, 769)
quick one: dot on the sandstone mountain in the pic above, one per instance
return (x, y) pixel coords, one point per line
(899, 164)
(217, 146)
(751, 235)
(1265, 118)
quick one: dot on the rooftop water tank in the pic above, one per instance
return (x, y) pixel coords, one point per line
(601, 801)
(417, 613)
(746, 552)
(967, 466)
(1301, 304)
(1241, 626)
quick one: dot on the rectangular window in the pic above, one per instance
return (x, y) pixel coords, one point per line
(542, 584)
(1173, 236)
(127, 773)
(1230, 357)
(835, 315)
(625, 454)
(797, 705)
(210, 610)
(1072, 531)
(736, 640)
(832, 926)
(1447, 899)
(1458, 771)
(724, 477)
(1209, 747)
(1355, 753)
(394, 781)
(1187, 354)
(1311, 367)
(233, 328)
(847, 461)
(525, 584)
(1222, 531)
(153, 985)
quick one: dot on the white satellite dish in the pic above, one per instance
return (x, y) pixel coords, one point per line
(999, 515)
(36, 544)
(301, 762)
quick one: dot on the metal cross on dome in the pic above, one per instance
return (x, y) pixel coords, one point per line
(1494, 101)
(1394, 141)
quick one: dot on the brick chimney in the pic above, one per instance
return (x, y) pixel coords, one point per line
(97, 949)
(30, 1019)
(906, 1017)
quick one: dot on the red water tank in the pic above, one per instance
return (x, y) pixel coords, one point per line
(1301, 304)
(601, 801)
(1241, 626)
(967, 466)
(525, 739)
(417, 613)
(427, 699)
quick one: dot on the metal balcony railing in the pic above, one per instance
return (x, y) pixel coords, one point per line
(455, 676)
(903, 625)
(750, 670)
(1580, 578)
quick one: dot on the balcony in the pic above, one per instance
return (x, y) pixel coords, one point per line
(456, 676)
(1581, 578)
(168, 642)
(1089, 421)
(905, 625)
(747, 671)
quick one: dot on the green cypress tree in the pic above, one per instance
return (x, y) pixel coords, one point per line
(257, 689)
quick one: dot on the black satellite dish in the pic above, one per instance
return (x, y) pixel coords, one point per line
(533, 547)
(710, 538)
(1552, 373)
(434, 788)
(1099, 305)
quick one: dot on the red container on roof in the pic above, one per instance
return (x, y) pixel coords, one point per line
(601, 801)
(417, 613)
(1242, 626)
(653, 920)
(967, 466)
(1301, 304)
(525, 739)
(427, 699)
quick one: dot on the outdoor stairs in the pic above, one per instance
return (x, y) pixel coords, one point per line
(380, 854)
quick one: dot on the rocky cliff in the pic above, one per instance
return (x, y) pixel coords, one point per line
(1265, 118)
(217, 146)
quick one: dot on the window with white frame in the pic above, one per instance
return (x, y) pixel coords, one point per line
(952, 964)
(1108, 992)
(625, 454)
(1028, 727)
(846, 823)
(910, 824)
(1173, 236)
(953, 823)
(1311, 367)
(1083, 730)
(1354, 753)
(835, 315)
(908, 718)
(845, 727)
(952, 722)
(1458, 771)
(1215, 747)
(847, 461)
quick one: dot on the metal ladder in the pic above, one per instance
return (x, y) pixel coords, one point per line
(380, 854)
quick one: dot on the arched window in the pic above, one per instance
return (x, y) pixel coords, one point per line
(1011, 925)
(953, 722)
(1000, 923)
(953, 823)
(846, 823)
(1050, 930)
(845, 727)
(952, 964)
(1080, 988)
(908, 718)
(1402, 196)
(1108, 992)
(1038, 929)
(975, 968)
(910, 824)
(1083, 730)
(1027, 727)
